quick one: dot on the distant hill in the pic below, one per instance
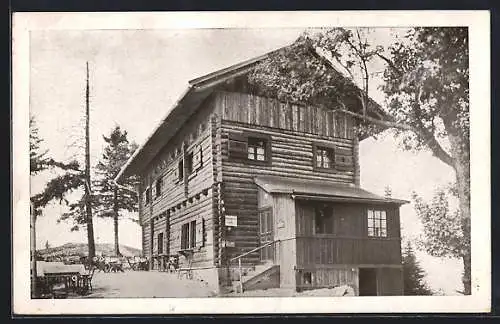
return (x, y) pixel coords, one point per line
(81, 249)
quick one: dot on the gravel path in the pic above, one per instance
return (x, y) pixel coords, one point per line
(146, 284)
(151, 284)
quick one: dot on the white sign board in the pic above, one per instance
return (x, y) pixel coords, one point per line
(231, 220)
(229, 244)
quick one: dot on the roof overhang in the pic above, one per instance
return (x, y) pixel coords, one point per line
(198, 90)
(321, 190)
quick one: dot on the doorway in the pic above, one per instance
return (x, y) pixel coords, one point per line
(368, 282)
(266, 234)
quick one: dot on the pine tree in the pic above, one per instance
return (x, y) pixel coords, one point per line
(113, 199)
(413, 274)
(387, 192)
(38, 159)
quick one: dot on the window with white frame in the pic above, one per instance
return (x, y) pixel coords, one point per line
(377, 223)
(257, 149)
(324, 157)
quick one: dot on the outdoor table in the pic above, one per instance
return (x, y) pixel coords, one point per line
(73, 276)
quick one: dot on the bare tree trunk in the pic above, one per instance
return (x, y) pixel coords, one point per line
(88, 189)
(115, 219)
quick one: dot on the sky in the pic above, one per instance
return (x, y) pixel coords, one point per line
(137, 75)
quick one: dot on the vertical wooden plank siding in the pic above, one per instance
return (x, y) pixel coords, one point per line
(255, 110)
(349, 243)
(314, 251)
(284, 218)
(390, 281)
(331, 277)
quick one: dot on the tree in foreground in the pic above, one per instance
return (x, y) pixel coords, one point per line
(38, 159)
(413, 274)
(74, 180)
(425, 80)
(442, 236)
(112, 199)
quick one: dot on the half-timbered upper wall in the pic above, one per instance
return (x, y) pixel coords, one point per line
(261, 111)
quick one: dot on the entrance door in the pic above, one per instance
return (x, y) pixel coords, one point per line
(266, 234)
(368, 282)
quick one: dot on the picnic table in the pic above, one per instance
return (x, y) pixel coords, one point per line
(73, 277)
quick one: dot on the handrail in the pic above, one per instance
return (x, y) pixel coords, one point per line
(253, 250)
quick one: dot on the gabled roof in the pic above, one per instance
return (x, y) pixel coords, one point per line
(198, 90)
(321, 190)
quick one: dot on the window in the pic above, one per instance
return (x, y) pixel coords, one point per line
(147, 195)
(249, 147)
(324, 157)
(192, 233)
(180, 170)
(377, 223)
(307, 278)
(160, 243)
(257, 149)
(189, 163)
(323, 219)
(159, 185)
(188, 235)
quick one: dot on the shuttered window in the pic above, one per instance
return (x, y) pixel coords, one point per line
(188, 235)
(200, 233)
(324, 157)
(192, 234)
(377, 223)
(237, 146)
(189, 163)
(160, 243)
(180, 170)
(147, 196)
(331, 158)
(197, 161)
(159, 185)
(185, 236)
(250, 147)
(343, 159)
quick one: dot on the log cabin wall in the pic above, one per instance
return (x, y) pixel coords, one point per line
(292, 132)
(184, 198)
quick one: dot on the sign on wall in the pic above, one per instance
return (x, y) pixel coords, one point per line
(231, 220)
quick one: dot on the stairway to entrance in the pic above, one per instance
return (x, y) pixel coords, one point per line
(263, 275)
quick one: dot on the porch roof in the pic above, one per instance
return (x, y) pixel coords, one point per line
(321, 190)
